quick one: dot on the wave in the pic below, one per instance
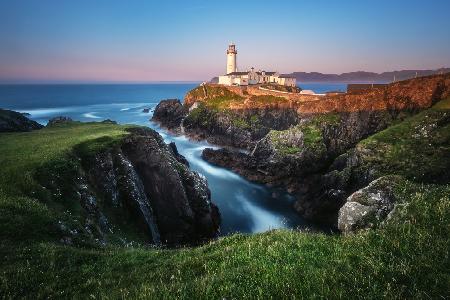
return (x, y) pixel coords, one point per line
(125, 109)
(91, 115)
(46, 112)
(205, 167)
(263, 220)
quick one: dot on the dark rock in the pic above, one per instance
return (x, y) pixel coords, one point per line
(170, 113)
(178, 156)
(59, 120)
(11, 121)
(236, 128)
(146, 110)
(148, 183)
(133, 197)
(180, 198)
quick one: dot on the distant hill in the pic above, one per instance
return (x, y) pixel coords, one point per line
(362, 76)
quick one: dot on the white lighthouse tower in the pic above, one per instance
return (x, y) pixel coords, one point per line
(231, 58)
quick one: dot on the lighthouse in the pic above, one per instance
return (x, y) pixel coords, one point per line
(231, 58)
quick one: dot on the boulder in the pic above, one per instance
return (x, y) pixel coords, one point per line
(369, 206)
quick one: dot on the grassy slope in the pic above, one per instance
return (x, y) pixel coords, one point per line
(22, 156)
(417, 148)
(409, 258)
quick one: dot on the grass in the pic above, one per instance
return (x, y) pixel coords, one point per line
(329, 119)
(392, 262)
(406, 258)
(206, 117)
(46, 152)
(267, 99)
(202, 116)
(218, 97)
(417, 148)
(282, 88)
(287, 142)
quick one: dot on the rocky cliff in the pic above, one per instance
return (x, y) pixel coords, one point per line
(137, 186)
(300, 140)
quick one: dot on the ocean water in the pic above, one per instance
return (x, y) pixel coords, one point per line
(320, 87)
(244, 206)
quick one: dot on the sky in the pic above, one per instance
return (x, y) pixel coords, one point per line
(143, 41)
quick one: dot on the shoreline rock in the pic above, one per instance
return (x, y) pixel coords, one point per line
(170, 113)
(11, 121)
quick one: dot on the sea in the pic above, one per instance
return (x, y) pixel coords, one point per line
(245, 207)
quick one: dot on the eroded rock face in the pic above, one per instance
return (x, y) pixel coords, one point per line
(151, 184)
(236, 128)
(139, 189)
(369, 206)
(11, 121)
(180, 198)
(170, 113)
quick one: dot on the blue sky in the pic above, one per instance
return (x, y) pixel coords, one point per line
(43, 40)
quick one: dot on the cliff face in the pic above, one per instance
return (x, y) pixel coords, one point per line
(237, 128)
(413, 94)
(416, 149)
(137, 187)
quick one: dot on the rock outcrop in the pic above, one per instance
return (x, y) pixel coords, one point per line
(59, 120)
(369, 206)
(139, 185)
(180, 198)
(11, 121)
(170, 113)
(236, 128)
(416, 149)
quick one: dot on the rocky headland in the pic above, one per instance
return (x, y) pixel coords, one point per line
(316, 147)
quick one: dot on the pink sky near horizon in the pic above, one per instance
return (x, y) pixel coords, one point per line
(144, 41)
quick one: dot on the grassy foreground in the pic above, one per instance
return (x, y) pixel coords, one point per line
(406, 258)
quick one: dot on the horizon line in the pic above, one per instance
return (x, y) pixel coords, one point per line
(96, 82)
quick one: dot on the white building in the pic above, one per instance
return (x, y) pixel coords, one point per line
(233, 77)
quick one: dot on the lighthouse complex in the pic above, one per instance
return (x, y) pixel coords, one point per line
(251, 77)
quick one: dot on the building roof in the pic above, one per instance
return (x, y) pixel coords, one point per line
(266, 73)
(237, 73)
